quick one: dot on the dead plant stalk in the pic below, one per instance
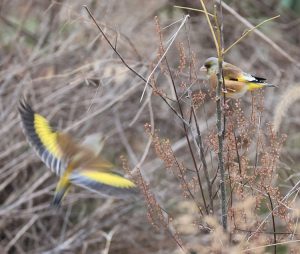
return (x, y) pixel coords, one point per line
(218, 40)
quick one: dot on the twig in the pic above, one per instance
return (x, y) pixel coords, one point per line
(192, 9)
(269, 245)
(111, 45)
(257, 143)
(108, 238)
(218, 40)
(249, 31)
(261, 35)
(203, 160)
(210, 27)
(123, 138)
(125, 63)
(293, 190)
(21, 232)
(219, 47)
(164, 54)
(148, 145)
(265, 232)
(273, 223)
(279, 49)
(237, 153)
(187, 138)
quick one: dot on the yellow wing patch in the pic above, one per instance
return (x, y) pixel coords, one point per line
(107, 178)
(46, 135)
(255, 86)
(41, 137)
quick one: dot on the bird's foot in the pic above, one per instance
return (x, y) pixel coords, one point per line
(225, 105)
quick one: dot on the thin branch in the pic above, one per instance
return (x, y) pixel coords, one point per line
(192, 9)
(220, 117)
(248, 32)
(164, 54)
(261, 35)
(273, 223)
(187, 137)
(265, 232)
(269, 245)
(112, 46)
(279, 49)
(203, 160)
(257, 142)
(126, 65)
(237, 153)
(293, 190)
(210, 27)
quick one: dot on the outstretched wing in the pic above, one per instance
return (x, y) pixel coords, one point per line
(104, 183)
(41, 137)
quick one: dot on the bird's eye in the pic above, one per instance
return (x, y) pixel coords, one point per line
(207, 65)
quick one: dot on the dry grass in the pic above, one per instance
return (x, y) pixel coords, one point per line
(53, 53)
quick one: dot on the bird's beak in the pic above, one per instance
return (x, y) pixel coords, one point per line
(203, 68)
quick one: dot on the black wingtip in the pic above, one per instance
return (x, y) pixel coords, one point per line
(27, 118)
(24, 107)
(24, 104)
(57, 200)
(260, 80)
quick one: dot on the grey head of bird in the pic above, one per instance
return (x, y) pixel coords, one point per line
(210, 65)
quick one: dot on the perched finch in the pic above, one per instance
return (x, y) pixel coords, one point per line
(237, 82)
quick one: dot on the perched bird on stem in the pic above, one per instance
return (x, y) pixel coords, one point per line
(237, 82)
(73, 162)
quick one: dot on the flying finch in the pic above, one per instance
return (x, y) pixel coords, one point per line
(73, 162)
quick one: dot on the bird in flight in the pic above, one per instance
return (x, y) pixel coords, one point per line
(73, 162)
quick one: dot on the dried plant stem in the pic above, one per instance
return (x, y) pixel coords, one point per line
(185, 127)
(249, 31)
(210, 26)
(203, 160)
(279, 49)
(220, 115)
(192, 9)
(218, 40)
(187, 139)
(275, 46)
(164, 54)
(124, 62)
(273, 223)
(220, 141)
(237, 153)
(269, 245)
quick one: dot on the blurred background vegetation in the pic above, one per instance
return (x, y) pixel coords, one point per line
(52, 52)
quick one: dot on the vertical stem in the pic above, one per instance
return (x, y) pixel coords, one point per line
(220, 141)
(273, 223)
(218, 41)
(187, 139)
(203, 160)
(185, 127)
(220, 117)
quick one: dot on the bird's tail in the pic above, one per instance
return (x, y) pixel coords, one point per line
(61, 189)
(254, 86)
(269, 85)
(58, 198)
